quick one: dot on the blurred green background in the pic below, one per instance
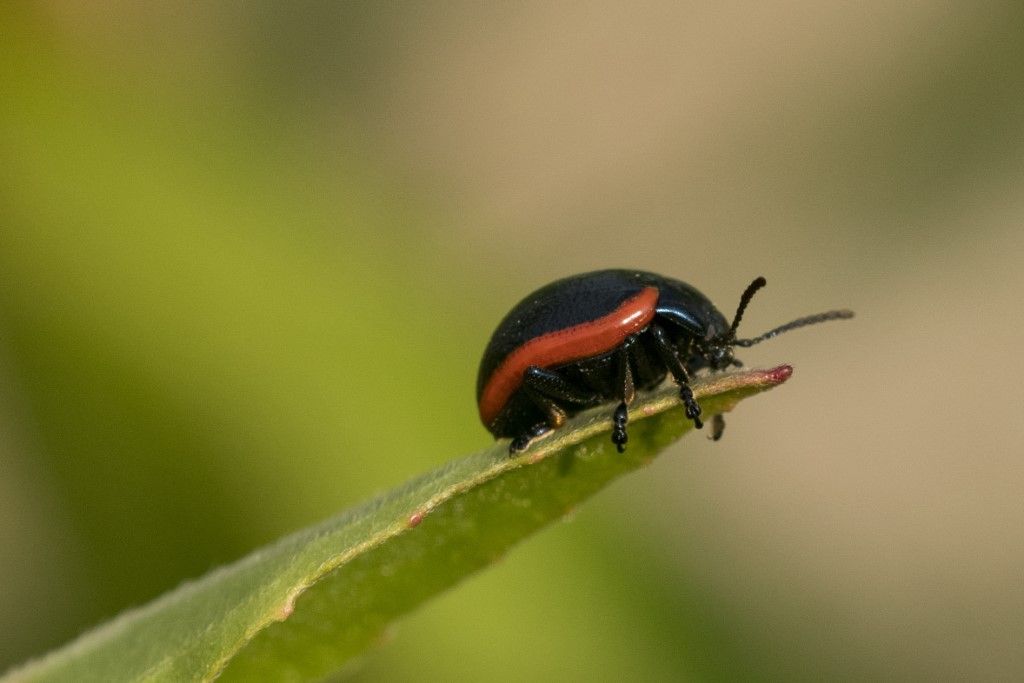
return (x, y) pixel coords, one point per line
(250, 254)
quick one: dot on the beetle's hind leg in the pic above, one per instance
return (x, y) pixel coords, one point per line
(675, 366)
(548, 391)
(520, 443)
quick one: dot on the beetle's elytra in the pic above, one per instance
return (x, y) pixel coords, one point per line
(598, 337)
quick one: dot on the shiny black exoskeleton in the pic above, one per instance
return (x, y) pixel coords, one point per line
(597, 338)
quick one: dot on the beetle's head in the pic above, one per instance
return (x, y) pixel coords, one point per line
(720, 348)
(720, 356)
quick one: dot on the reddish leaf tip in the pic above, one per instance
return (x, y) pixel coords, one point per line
(778, 375)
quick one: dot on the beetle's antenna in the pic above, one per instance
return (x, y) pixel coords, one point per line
(748, 294)
(799, 322)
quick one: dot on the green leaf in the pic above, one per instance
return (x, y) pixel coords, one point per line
(304, 606)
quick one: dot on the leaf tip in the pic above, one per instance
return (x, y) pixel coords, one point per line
(777, 375)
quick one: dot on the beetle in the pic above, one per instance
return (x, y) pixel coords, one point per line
(599, 337)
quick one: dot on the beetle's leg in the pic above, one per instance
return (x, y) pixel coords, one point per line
(625, 382)
(717, 426)
(546, 389)
(520, 443)
(669, 356)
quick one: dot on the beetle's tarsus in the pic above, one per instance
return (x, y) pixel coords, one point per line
(717, 427)
(692, 407)
(619, 435)
(523, 441)
(518, 445)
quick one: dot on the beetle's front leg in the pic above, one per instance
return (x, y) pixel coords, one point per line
(675, 366)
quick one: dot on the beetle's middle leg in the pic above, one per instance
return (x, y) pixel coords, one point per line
(627, 392)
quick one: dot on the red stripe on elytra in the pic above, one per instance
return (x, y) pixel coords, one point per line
(585, 340)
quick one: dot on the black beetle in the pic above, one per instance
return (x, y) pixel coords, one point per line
(598, 337)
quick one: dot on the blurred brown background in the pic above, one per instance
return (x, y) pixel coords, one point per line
(249, 256)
